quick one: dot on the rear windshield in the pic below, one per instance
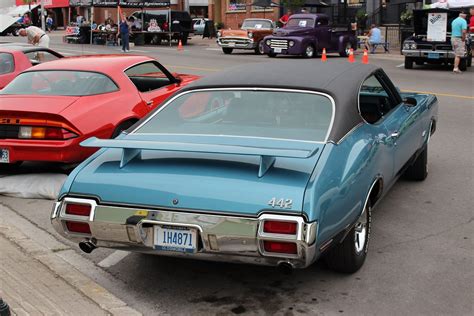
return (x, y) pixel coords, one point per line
(245, 113)
(300, 22)
(60, 82)
(6, 63)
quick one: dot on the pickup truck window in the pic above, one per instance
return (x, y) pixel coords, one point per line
(301, 22)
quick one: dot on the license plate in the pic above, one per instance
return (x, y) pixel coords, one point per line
(180, 239)
(433, 55)
(231, 44)
(4, 155)
(277, 50)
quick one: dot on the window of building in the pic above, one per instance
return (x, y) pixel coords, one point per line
(236, 5)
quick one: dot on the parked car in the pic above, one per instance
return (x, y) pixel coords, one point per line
(47, 111)
(250, 168)
(250, 36)
(420, 49)
(198, 25)
(16, 58)
(307, 35)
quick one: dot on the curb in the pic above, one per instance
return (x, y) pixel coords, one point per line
(86, 286)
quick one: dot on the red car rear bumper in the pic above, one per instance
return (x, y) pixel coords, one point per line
(67, 151)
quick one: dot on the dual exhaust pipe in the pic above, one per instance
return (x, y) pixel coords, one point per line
(87, 246)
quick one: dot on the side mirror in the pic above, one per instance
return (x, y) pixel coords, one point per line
(178, 80)
(410, 101)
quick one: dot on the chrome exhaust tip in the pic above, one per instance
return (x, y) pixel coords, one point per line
(285, 268)
(87, 246)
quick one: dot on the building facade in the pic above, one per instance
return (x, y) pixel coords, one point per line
(231, 13)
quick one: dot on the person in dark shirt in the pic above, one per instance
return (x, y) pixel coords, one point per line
(124, 33)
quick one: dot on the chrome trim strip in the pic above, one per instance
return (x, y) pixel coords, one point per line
(349, 132)
(333, 103)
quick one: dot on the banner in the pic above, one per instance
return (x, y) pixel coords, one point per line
(80, 3)
(437, 24)
(144, 3)
(105, 3)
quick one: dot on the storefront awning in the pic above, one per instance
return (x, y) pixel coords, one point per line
(49, 4)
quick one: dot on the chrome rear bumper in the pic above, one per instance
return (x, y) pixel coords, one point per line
(221, 237)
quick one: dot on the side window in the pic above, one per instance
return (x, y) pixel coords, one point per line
(7, 64)
(39, 57)
(322, 21)
(147, 77)
(374, 100)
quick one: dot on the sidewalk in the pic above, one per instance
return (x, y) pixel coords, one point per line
(36, 280)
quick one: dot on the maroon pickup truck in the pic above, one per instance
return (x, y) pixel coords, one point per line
(307, 35)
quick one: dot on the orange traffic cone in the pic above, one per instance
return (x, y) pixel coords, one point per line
(351, 56)
(180, 45)
(365, 57)
(324, 57)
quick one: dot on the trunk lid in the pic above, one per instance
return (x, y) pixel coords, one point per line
(36, 103)
(198, 180)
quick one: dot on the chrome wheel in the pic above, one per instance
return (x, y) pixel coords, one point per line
(260, 48)
(360, 233)
(347, 49)
(309, 52)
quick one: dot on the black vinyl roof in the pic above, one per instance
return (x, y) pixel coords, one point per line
(339, 79)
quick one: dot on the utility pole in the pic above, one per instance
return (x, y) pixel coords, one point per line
(186, 5)
(43, 27)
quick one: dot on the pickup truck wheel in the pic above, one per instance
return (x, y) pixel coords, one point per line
(309, 51)
(259, 49)
(349, 256)
(347, 49)
(227, 50)
(408, 63)
(272, 55)
(463, 64)
(418, 171)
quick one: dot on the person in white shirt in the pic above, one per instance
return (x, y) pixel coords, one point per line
(36, 36)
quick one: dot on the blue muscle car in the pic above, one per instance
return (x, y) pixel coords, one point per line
(278, 164)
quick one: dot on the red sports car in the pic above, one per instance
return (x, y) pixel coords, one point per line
(45, 112)
(15, 58)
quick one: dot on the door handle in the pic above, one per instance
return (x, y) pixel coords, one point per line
(394, 135)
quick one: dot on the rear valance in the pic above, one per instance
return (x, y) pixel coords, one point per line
(133, 148)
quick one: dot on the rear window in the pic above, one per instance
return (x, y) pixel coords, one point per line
(7, 64)
(301, 22)
(60, 82)
(245, 113)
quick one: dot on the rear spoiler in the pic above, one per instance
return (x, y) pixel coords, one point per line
(133, 148)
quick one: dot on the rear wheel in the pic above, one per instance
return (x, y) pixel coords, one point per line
(418, 171)
(227, 50)
(309, 51)
(408, 63)
(349, 256)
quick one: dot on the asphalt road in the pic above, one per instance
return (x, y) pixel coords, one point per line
(421, 255)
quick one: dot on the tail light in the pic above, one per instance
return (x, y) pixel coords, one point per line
(279, 227)
(48, 133)
(78, 209)
(78, 227)
(280, 247)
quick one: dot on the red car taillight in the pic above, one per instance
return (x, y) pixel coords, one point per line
(47, 133)
(279, 227)
(78, 209)
(78, 227)
(280, 247)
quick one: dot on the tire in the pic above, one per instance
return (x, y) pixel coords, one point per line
(259, 48)
(184, 39)
(122, 127)
(418, 171)
(309, 51)
(463, 64)
(227, 50)
(8, 167)
(419, 63)
(408, 63)
(349, 255)
(272, 55)
(345, 52)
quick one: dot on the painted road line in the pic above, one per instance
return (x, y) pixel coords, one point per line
(140, 51)
(193, 68)
(213, 48)
(400, 66)
(113, 259)
(441, 94)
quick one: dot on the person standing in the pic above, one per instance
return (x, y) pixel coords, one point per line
(36, 36)
(284, 19)
(124, 33)
(49, 23)
(458, 39)
(471, 20)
